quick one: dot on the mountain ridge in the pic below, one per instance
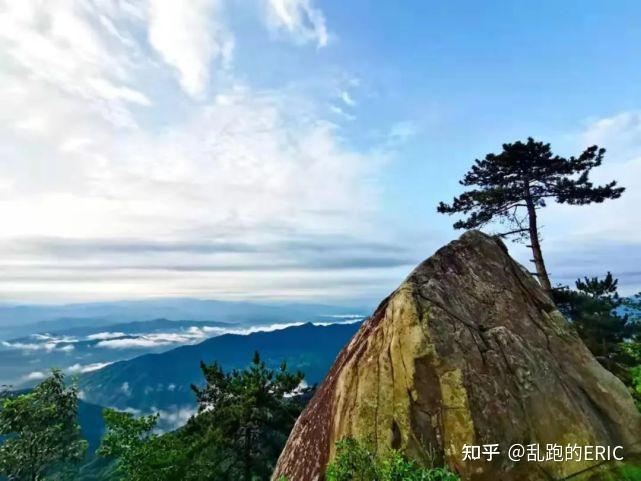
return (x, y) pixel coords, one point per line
(21, 319)
(161, 381)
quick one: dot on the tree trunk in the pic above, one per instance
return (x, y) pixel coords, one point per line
(247, 455)
(541, 271)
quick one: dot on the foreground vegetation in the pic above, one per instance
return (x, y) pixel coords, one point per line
(243, 420)
(41, 432)
(357, 461)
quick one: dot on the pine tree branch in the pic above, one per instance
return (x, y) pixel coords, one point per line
(515, 231)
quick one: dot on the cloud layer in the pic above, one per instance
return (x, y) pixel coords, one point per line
(155, 148)
(132, 152)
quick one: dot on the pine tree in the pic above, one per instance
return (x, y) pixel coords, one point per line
(608, 325)
(243, 421)
(250, 412)
(511, 186)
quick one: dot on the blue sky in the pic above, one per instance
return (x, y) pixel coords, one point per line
(295, 149)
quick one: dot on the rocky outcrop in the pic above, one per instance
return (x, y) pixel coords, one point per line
(468, 350)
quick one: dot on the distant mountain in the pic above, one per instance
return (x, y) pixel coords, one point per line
(25, 360)
(92, 426)
(19, 320)
(53, 325)
(161, 382)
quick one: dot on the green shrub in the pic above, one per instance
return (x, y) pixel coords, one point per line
(357, 461)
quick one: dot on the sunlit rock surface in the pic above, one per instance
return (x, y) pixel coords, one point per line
(468, 350)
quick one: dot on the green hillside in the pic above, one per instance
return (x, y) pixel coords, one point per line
(162, 381)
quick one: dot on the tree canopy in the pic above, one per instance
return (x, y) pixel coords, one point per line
(511, 186)
(142, 454)
(251, 411)
(41, 431)
(243, 420)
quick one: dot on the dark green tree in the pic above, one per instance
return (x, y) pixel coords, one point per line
(592, 309)
(40, 430)
(510, 187)
(604, 289)
(249, 412)
(142, 454)
(608, 325)
(243, 420)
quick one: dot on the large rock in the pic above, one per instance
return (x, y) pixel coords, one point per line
(468, 350)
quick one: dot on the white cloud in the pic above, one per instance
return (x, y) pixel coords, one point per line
(189, 36)
(247, 170)
(300, 19)
(401, 132)
(347, 98)
(83, 368)
(153, 340)
(217, 331)
(136, 342)
(613, 220)
(41, 337)
(196, 334)
(97, 143)
(105, 335)
(620, 134)
(302, 386)
(50, 345)
(126, 390)
(35, 376)
(171, 419)
(71, 46)
(341, 113)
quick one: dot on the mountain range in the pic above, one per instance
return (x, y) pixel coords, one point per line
(161, 382)
(103, 333)
(20, 320)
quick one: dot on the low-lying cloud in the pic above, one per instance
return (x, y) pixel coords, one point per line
(196, 334)
(81, 369)
(35, 376)
(43, 342)
(105, 335)
(150, 340)
(116, 340)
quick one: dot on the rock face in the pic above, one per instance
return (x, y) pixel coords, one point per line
(468, 350)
